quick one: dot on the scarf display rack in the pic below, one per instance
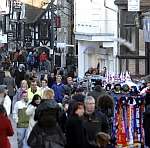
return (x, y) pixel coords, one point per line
(128, 121)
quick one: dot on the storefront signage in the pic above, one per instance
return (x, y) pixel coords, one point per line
(133, 5)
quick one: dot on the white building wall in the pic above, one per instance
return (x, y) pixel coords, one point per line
(90, 53)
(4, 7)
(96, 22)
(91, 16)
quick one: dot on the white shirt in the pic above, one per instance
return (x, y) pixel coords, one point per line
(30, 111)
(7, 104)
(18, 105)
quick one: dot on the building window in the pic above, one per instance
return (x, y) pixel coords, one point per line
(142, 66)
(132, 68)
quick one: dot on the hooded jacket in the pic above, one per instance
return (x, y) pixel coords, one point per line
(46, 113)
(46, 133)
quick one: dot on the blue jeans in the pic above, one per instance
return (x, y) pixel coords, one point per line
(22, 137)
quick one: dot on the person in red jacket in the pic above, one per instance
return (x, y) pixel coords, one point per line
(5, 128)
(42, 58)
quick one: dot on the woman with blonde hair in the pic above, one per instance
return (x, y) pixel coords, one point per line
(24, 85)
(46, 132)
(48, 93)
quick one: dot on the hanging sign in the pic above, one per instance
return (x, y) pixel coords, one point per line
(133, 5)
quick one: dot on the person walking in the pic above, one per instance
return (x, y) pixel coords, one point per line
(59, 89)
(19, 75)
(94, 121)
(9, 81)
(5, 128)
(21, 119)
(30, 111)
(4, 99)
(46, 133)
(75, 131)
(33, 90)
(17, 96)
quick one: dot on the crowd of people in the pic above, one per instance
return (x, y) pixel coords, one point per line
(32, 59)
(52, 111)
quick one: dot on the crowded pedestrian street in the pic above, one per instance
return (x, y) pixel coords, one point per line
(74, 73)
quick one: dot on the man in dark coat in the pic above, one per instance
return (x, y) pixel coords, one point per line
(19, 75)
(69, 87)
(94, 121)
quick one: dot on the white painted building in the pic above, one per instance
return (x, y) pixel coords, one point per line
(95, 27)
(4, 10)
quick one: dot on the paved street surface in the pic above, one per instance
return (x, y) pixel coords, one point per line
(13, 140)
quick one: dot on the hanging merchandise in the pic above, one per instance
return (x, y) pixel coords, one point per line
(121, 131)
(128, 121)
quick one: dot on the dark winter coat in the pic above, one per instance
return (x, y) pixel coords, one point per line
(94, 123)
(19, 76)
(46, 133)
(76, 133)
(5, 130)
(146, 125)
(2, 75)
(63, 120)
(46, 137)
(46, 113)
(69, 90)
(147, 98)
(146, 120)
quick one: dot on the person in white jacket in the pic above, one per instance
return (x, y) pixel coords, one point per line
(5, 99)
(21, 119)
(30, 111)
(7, 104)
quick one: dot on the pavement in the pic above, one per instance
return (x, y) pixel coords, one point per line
(13, 139)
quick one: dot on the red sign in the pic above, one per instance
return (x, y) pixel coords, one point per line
(58, 21)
